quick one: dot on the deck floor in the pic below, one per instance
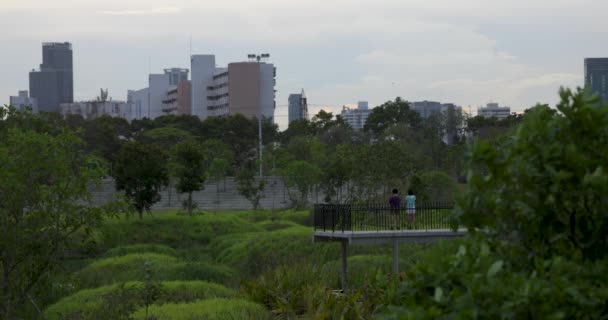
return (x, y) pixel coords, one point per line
(388, 236)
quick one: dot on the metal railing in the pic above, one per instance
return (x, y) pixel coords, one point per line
(379, 217)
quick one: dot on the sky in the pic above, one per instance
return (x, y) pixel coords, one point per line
(469, 52)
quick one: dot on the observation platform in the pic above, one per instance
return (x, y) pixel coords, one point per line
(379, 224)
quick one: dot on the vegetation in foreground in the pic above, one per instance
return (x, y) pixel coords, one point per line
(534, 207)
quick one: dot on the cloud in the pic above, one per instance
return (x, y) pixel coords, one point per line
(153, 11)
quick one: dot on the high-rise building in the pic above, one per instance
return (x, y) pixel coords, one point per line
(356, 118)
(53, 84)
(165, 94)
(493, 110)
(23, 101)
(596, 76)
(298, 106)
(243, 87)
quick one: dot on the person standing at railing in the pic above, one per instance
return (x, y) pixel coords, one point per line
(395, 204)
(410, 207)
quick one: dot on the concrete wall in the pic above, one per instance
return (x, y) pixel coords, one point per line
(228, 196)
(139, 101)
(244, 88)
(184, 98)
(159, 84)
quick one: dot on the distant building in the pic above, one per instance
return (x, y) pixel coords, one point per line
(243, 87)
(53, 84)
(23, 100)
(356, 118)
(428, 108)
(167, 93)
(596, 76)
(493, 110)
(298, 106)
(95, 109)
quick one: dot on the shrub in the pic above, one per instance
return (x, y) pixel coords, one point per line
(88, 303)
(211, 309)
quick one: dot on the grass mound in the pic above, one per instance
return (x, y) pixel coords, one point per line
(172, 230)
(253, 253)
(140, 248)
(275, 225)
(90, 303)
(211, 309)
(130, 267)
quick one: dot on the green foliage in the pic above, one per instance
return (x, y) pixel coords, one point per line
(389, 114)
(434, 186)
(469, 280)
(90, 303)
(44, 184)
(545, 188)
(165, 137)
(303, 176)
(249, 188)
(188, 160)
(130, 267)
(141, 171)
(211, 309)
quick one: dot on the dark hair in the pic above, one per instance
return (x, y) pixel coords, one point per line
(410, 192)
(395, 191)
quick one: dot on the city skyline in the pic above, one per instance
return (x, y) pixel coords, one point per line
(341, 52)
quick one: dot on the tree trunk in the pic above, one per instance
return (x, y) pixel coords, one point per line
(190, 203)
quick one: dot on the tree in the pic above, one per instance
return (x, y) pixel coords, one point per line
(391, 113)
(44, 187)
(188, 160)
(544, 189)
(303, 176)
(141, 171)
(247, 186)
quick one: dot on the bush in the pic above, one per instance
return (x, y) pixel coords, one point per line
(212, 309)
(469, 279)
(89, 303)
(140, 248)
(130, 267)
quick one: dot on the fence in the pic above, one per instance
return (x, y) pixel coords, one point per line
(377, 217)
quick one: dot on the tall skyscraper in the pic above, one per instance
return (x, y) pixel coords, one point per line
(596, 76)
(298, 107)
(53, 84)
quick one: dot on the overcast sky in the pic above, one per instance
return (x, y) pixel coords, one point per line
(469, 52)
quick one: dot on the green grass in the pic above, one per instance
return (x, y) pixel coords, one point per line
(170, 229)
(212, 309)
(253, 253)
(165, 267)
(89, 302)
(141, 248)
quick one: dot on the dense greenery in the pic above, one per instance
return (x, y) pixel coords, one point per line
(533, 203)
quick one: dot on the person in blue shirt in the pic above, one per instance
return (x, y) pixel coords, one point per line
(395, 204)
(410, 207)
